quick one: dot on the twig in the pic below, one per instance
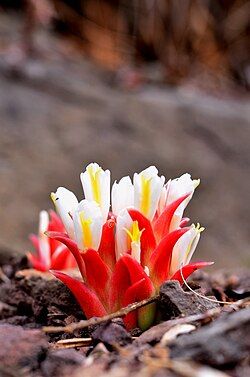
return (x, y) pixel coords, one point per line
(96, 321)
(72, 343)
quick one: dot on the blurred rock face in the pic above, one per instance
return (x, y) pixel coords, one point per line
(57, 118)
(57, 115)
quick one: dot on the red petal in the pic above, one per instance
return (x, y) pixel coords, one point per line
(35, 242)
(55, 224)
(148, 242)
(36, 263)
(97, 274)
(188, 270)
(62, 259)
(127, 272)
(87, 299)
(136, 272)
(161, 258)
(140, 290)
(107, 246)
(120, 281)
(184, 221)
(72, 246)
(162, 224)
(70, 261)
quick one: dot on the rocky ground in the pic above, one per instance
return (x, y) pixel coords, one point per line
(195, 337)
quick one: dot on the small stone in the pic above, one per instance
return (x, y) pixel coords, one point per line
(21, 348)
(111, 334)
(174, 302)
(61, 362)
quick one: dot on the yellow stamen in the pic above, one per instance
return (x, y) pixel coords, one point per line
(135, 233)
(86, 230)
(95, 183)
(145, 195)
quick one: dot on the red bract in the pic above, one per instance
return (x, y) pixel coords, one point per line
(50, 254)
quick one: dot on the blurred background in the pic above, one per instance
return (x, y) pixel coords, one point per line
(127, 83)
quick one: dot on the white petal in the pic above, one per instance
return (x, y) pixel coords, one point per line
(193, 247)
(90, 212)
(44, 246)
(65, 202)
(184, 248)
(43, 222)
(122, 195)
(136, 251)
(146, 200)
(176, 188)
(123, 222)
(96, 186)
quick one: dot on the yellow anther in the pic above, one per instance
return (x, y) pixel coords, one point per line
(199, 228)
(135, 233)
(145, 195)
(86, 230)
(53, 197)
(95, 182)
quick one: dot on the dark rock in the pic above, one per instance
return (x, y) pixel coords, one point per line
(111, 334)
(224, 342)
(21, 348)
(174, 302)
(61, 363)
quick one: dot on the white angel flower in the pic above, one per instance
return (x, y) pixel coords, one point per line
(122, 195)
(88, 222)
(175, 189)
(65, 203)
(148, 187)
(185, 248)
(96, 186)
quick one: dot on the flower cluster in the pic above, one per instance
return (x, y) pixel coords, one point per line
(124, 253)
(50, 254)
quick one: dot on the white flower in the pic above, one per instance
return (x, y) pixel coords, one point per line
(122, 195)
(185, 248)
(88, 222)
(175, 189)
(65, 203)
(96, 186)
(148, 187)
